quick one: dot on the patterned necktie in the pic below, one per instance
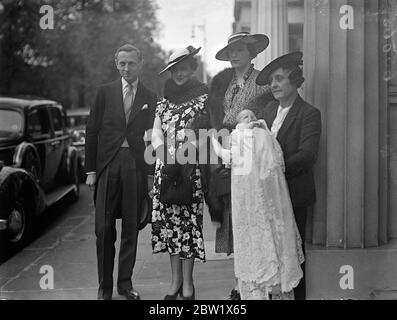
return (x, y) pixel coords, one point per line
(129, 92)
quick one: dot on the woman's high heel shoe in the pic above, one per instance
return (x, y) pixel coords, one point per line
(192, 297)
(234, 295)
(174, 296)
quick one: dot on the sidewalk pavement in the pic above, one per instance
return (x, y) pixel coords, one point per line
(69, 249)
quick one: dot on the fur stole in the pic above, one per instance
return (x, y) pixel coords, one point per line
(180, 94)
(214, 108)
(216, 97)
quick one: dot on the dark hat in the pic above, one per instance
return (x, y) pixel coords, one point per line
(258, 41)
(288, 60)
(179, 56)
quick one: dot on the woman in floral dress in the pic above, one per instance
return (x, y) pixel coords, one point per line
(177, 229)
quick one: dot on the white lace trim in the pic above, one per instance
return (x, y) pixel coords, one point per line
(267, 245)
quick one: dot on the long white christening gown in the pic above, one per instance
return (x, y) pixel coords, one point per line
(267, 245)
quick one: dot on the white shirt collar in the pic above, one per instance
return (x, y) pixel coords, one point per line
(279, 120)
(283, 110)
(125, 84)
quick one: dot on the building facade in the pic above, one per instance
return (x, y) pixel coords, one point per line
(350, 67)
(283, 21)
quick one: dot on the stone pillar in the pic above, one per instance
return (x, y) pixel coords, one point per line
(390, 33)
(271, 18)
(344, 71)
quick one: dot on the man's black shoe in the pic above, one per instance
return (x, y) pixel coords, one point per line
(129, 294)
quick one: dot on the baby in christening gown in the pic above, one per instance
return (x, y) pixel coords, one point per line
(267, 245)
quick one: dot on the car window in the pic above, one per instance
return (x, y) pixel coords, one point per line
(11, 123)
(38, 123)
(77, 120)
(57, 119)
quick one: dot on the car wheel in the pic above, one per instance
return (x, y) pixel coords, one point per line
(20, 225)
(17, 212)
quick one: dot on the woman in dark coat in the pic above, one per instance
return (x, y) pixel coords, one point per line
(231, 92)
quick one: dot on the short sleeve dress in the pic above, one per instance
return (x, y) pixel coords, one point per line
(177, 229)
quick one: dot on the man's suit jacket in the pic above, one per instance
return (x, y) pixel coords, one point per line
(107, 127)
(299, 138)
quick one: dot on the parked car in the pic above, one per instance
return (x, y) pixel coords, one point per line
(38, 165)
(77, 121)
(77, 118)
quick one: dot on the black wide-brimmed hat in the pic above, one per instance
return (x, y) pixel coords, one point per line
(258, 41)
(179, 56)
(288, 60)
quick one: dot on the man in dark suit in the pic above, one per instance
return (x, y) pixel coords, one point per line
(116, 169)
(297, 126)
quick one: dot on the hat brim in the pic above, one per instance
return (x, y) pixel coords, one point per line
(259, 41)
(290, 59)
(170, 65)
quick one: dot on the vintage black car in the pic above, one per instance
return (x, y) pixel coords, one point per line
(38, 165)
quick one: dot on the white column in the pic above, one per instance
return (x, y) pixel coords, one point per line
(271, 18)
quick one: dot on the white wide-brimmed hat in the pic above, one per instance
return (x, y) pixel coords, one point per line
(179, 56)
(258, 41)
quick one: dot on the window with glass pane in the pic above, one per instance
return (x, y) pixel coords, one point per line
(56, 119)
(38, 123)
(11, 123)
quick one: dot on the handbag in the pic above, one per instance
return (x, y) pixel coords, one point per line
(145, 214)
(221, 181)
(176, 186)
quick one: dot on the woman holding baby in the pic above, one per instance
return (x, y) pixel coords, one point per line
(251, 202)
(230, 93)
(267, 245)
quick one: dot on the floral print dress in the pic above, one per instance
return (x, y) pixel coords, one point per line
(177, 229)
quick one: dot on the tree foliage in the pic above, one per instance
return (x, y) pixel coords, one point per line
(69, 61)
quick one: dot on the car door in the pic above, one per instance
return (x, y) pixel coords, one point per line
(60, 139)
(39, 131)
